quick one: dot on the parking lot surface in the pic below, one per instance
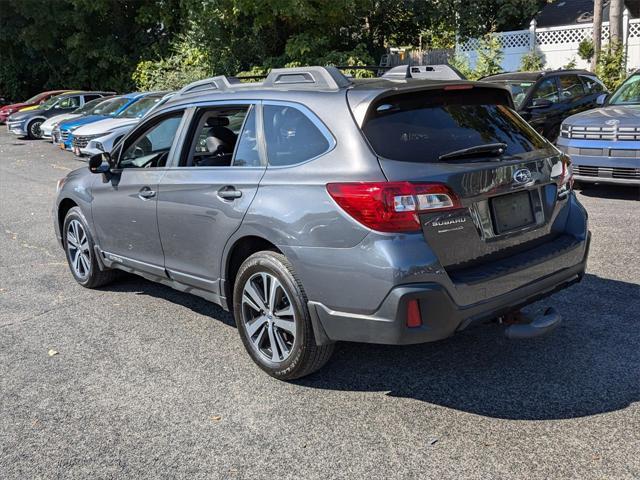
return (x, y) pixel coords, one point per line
(149, 382)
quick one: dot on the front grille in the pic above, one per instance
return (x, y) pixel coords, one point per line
(64, 136)
(607, 172)
(601, 133)
(631, 173)
(585, 171)
(82, 141)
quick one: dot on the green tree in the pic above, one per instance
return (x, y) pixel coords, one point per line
(532, 61)
(490, 57)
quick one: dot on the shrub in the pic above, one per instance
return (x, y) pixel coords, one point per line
(610, 66)
(490, 57)
(585, 49)
(532, 61)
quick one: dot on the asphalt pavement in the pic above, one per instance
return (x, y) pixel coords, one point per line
(136, 380)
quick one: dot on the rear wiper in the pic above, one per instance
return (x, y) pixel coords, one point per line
(493, 149)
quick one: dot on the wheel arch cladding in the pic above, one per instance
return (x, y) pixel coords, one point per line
(242, 249)
(63, 208)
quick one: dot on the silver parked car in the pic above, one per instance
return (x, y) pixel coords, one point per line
(604, 143)
(319, 209)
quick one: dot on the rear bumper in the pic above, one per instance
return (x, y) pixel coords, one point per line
(441, 315)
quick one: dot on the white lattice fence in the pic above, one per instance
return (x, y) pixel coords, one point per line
(559, 45)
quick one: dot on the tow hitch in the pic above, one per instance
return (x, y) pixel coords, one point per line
(520, 326)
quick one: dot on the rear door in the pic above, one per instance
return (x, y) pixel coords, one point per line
(573, 94)
(202, 200)
(508, 194)
(543, 109)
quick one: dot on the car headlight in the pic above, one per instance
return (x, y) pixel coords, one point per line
(565, 130)
(99, 146)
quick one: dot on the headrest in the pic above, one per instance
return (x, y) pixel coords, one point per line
(217, 121)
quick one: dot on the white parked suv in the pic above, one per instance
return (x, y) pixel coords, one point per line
(115, 127)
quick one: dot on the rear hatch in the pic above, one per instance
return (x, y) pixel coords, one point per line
(508, 182)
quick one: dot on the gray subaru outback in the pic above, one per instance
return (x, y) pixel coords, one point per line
(319, 208)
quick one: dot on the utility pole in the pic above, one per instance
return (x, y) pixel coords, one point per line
(597, 32)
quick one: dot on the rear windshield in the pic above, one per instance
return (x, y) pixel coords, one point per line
(422, 127)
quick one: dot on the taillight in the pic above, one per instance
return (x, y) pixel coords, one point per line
(392, 206)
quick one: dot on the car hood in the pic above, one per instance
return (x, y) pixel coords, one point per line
(104, 126)
(622, 115)
(25, 114)
(81, 121)
(13, 106)
(59, 118)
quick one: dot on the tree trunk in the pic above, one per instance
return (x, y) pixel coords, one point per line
(597, 32)
(615, 21)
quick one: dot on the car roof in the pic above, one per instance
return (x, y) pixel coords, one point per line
(532, 76)
(315, 87)
(132, 95)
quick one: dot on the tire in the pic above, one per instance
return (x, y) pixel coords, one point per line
(33, 129)
(289, 333)
(81, 256)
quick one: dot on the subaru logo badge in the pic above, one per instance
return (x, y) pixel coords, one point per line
(522, 176)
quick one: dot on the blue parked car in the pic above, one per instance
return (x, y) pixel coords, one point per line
(62, 136)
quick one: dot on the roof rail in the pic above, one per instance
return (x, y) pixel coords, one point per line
(313, 78)
(214, 83)
(307, 77)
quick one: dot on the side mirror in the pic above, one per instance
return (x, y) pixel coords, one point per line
(100, 163)
(541, 103)
(602, 99)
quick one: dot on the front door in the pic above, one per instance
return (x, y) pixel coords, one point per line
(124, 207)
(204, 198)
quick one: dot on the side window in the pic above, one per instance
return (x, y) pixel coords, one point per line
(88, 98)
(547, 90)
(221, 131)
(591, 85)
(291, 136)
(247, 154)
(69, 102)
(151, 148)
(571, 87)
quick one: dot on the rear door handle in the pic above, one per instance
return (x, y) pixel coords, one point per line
(146, 193)
(229, 193)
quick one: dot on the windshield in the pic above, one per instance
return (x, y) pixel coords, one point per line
(421, 128)
(49, 103)
(111, 107)
(628, 93)
(89, 106)
(519, 91)
(34, 99)
(139, 108)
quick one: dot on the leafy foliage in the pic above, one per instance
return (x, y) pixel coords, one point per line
(586, 49)
(610, 67)
(532, 61)
(116, 44)
(489, 57)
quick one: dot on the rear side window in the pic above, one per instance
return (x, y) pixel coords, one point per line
(571, 87)
(291, 136)
(591, 85)
(422, 127)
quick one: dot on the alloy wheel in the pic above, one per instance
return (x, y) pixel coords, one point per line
(268, 317)
(35, 130)
(78, 249)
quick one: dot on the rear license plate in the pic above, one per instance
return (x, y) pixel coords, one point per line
(512, 211)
